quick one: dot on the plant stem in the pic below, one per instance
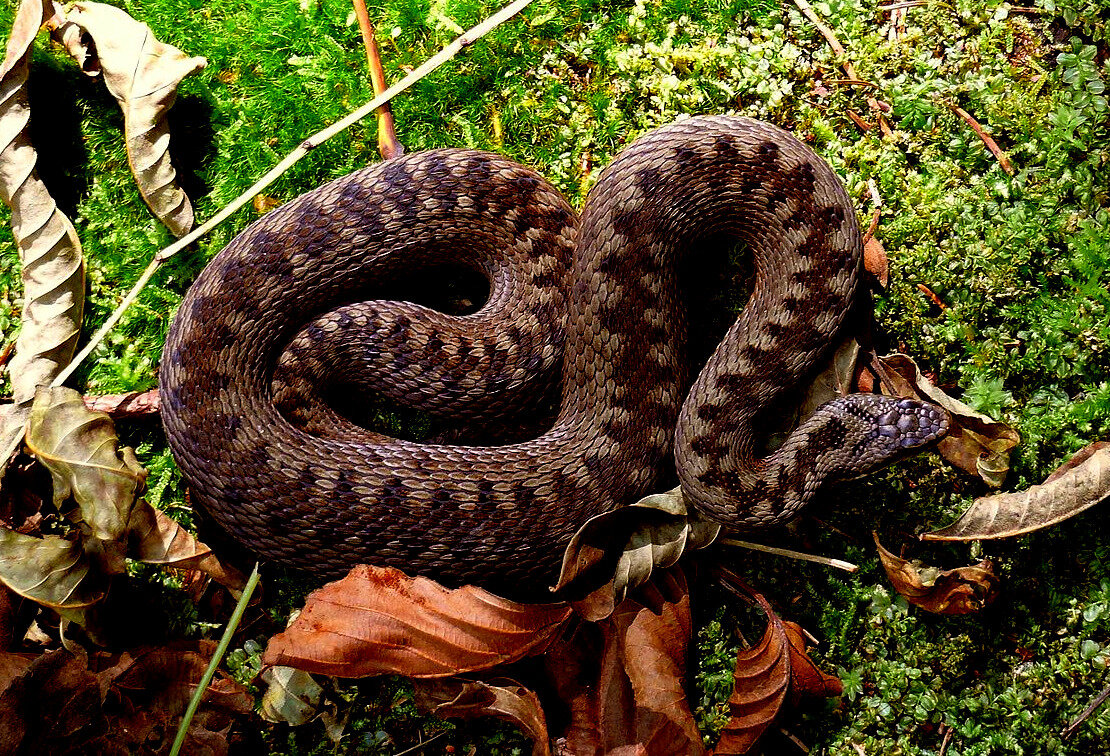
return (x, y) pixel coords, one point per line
(214, 663)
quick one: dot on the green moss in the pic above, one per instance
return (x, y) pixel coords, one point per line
(1019, 261)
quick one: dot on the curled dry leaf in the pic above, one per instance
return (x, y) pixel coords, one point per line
(378, 621)
(633, 700)
(618, 550)
(133, 404)
(770, 677)
(975, 443)
(1078, 484)
(49, 251)
(499, 698)
(964, 590)
(143, 75)
(81, 450)
(875, 261)
(51, 571)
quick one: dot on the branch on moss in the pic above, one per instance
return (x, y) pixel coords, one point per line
(846, 64)
(991, 144)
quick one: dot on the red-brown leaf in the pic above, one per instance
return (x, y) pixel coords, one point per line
(960, 591)
(377, 621)
(760, 687)
(503, 699)
(623, 678)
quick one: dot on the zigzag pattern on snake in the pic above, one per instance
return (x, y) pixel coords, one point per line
(296, 310)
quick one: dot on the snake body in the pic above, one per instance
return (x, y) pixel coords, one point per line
(291, 315)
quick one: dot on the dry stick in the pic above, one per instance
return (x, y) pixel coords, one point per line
(838, 49)
(946, 740)
(447, 53)
(840, 564)
(1071, 729)
(991, 144)
(388, 144)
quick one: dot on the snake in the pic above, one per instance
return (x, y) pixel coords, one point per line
(294, 317)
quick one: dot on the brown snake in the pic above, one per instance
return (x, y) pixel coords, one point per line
(293, 303)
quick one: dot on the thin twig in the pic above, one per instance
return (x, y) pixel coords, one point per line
(991, 144)
(839, 564)
(388, 144)
(447, 53)
(420, 746)
(946, 740)
(1073, 727)
(120, 406)
(899, 6)
(794, 739)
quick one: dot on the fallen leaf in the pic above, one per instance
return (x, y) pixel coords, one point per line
(633, 699)
(975, 443)
(1077, 485)
(807, 680)
(51, 571)
(119, 703)
(143, 75)
(156, 538)
(875, 261)
(377, 621)
(500, 698)
(770, 678)
(964, 590)
(12, 665)
(81, 450)
(49, 250)
(291, 695)
(133, 404)
(618, 550)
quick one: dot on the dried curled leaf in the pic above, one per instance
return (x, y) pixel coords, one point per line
(975, 443)
(620, 549)
(1079, 484)
(499, 698)
(49, 251)
(770, 677)
(143, 75)
(81, 450)
(623, 678)
(51, 571)
(964, 590)
(377, 621)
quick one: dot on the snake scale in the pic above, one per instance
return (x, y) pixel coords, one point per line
(293, 314)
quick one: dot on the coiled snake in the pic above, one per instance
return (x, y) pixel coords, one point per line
(292, 304)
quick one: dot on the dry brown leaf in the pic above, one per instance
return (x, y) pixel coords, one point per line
(806, 678)
(875, 261)
(156, 538)
(761, 683)
(499, 698)
(378, 621)
(964, 590)
(632, 700)
(81, 450)
(143, 75)
(49, 250)
(770, 678)
(618, 550)
(1077, 485)
(133, 404)
(119, 703)
(975, 443)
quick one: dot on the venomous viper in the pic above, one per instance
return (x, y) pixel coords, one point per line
(290, 313)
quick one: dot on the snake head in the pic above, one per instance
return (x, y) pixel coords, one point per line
(881, 429)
